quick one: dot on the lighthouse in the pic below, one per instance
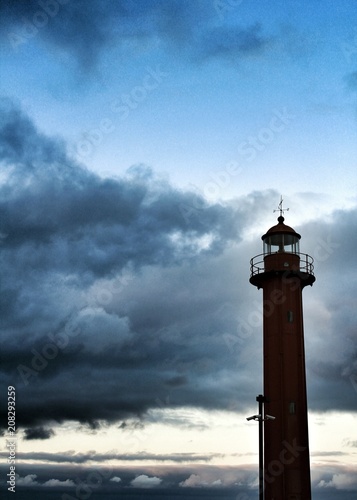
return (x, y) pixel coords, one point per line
(283, 272)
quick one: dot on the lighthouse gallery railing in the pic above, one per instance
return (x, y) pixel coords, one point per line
(257, 265)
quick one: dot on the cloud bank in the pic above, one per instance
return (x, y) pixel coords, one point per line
(98, 278)
(121, 296)
(328, 482)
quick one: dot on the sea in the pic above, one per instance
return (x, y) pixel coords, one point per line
(161, 494)
(131, 494)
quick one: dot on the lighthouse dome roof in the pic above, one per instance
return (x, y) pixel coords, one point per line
(281, 228)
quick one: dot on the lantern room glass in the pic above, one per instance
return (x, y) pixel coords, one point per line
(281, 242)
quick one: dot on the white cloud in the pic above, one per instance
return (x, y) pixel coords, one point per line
(196, 481)
(144, 481)
(28, 480)
(57, 482)
(192, 481)
(340, 482)
(115, 479)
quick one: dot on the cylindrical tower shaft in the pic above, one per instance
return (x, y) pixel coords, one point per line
(286, 450)
(282, 272)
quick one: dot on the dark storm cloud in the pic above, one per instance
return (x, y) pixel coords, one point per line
(91, 269)
(331, 341)
(38, 433)
(83, 458)
(22, 146)
(84, 29)
(132, 219)
(128, 295)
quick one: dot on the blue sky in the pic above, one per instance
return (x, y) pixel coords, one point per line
(234, 66)
(144, 147)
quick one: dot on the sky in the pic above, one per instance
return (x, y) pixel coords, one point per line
(144, 146)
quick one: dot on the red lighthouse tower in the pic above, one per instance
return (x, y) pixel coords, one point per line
(282, 272)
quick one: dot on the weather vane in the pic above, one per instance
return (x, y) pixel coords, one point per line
(280, 207)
